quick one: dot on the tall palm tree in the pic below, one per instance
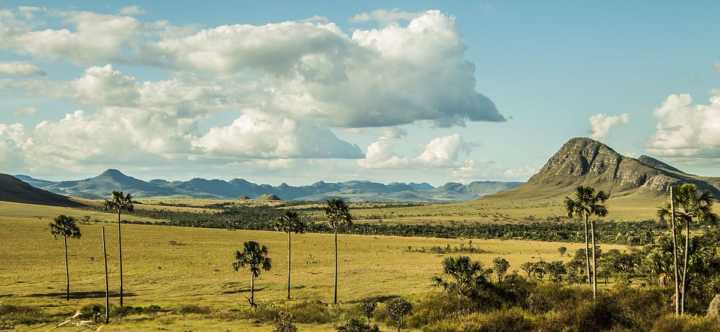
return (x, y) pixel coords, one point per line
(586, 204)
(255, 258)
(290, 222)
(338, 215)
(118, 203)
(692, 207)
(663, 214)
(65, 226)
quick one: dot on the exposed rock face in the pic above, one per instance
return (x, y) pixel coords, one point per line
(583, 161)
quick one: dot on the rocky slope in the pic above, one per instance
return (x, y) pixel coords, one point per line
(14, 190)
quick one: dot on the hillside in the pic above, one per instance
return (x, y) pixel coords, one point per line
(583, 161)
(14, 190)
(102, 185)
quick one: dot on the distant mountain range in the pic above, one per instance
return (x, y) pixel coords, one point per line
(101, 185)
(583, 161)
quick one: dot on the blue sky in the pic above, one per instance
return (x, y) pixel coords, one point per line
(547, 67)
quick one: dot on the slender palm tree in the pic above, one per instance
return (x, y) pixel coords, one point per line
(586, 204)
(663, 214)
(691, 206)
(118, 203)
(290, 222)
(338, 215)
(65, 226)
(255, 258)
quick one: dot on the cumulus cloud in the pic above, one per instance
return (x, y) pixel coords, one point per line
(106, 86)
(440, 152)
(601, 124)
(687, 130)
(384, 16)
(10, 69)
(259, 135)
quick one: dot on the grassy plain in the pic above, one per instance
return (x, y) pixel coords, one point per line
(175, 266)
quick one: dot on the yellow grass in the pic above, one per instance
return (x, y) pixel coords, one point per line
(196, 267)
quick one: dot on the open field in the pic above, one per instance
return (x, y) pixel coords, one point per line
(175, 266)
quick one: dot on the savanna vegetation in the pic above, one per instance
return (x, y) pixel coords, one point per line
(590, 275)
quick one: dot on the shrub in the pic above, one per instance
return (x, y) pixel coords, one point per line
(500, 320)
(686, 323)
(193, 309)
(11, 315)
(356, 325)
(397, 309)
(284, 323)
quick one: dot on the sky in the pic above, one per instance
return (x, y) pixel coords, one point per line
(392, 91)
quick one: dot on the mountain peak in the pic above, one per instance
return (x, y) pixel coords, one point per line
(113, 173)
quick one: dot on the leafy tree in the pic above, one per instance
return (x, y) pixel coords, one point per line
(118, 203)
(65, 226)
(465, 278)
(586, 204)
(290, 222)
(338, 215)
(284, 323)
(368, 308)
(528, 268)
(562, 251)
(500, 267)
(556, 270)
(397, 309)
(255, 258)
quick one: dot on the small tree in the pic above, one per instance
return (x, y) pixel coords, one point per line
(290, 222)
(528, 268)
(284, 323)
(356, 325)
(338, 215)
(117, 204)
(500, 267)
(65, 226)
(255, 258)
(464, 277)
(397, 309)
(368, 308)
(562, 251)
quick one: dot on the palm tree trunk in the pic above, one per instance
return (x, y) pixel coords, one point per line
(107, 284)
(67, 272)
(336, 267)
(685, 267)
(594, 258)
(120, 256)
(675, 258)
(289, 264)
(587, 252)
(252, 289)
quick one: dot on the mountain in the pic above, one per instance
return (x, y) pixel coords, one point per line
(100, 186)
(583, 161)
(15, 190)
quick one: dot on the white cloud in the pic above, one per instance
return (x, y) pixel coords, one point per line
(439, 152)
(20, 69)
(601, 124)
(687, 130)
(25, 111)
(131, 11)
(385, 16)
(106, 87)
(259, 135)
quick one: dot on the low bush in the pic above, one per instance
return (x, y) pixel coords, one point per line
(500, 320)
(688, 323)
(11, 315)
(192, 309)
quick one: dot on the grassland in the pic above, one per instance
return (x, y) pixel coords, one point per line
(176, 266)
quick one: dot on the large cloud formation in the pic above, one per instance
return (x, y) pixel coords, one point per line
(686, 130)
(286, 85)
(600, 124)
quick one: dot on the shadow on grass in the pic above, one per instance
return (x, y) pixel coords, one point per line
(242, 290)
(82, 295)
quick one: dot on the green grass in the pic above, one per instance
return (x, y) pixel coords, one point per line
(176, 266)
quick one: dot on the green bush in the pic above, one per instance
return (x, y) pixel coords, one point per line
(192, 309)
(688, 323)
(494, 321)
(356, 325)
(11, 315)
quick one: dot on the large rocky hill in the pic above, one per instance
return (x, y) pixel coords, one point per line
(583, 161)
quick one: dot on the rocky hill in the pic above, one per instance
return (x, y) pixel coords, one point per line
(583, 161)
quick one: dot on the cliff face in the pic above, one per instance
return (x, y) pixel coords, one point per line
(583, 161)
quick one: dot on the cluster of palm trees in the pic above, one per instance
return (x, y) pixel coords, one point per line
(255, 257)
(67, 228)
(687, 205)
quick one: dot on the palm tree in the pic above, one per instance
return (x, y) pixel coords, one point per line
(65, 226)
(587, 204)
(119, 203)
(692, 207)
(663, 214)
(289, 223)
(255, 257)
(338, 214)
